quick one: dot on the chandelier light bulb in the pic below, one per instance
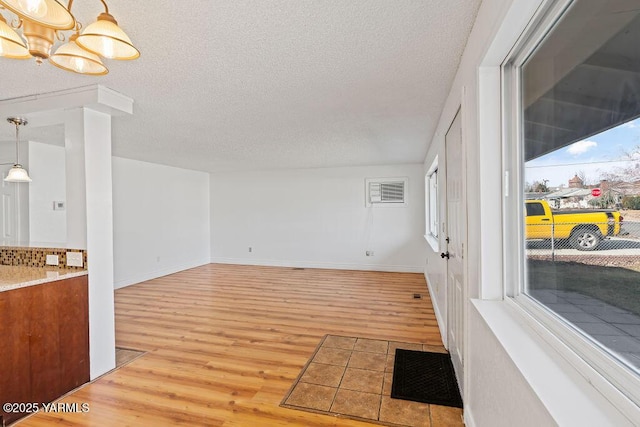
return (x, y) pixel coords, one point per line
(107, 48)
(36, 8)
(79, 65)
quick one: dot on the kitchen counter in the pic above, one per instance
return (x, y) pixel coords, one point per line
(14, 277)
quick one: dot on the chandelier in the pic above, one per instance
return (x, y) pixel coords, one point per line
(42, 21)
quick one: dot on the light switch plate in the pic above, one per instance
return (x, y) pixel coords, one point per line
(52, 260)
(74, 259)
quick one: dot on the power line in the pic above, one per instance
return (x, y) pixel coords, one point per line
(581, 163)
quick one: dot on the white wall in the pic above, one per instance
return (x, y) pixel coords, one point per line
(47, 227)
(316, 218)
(504, 384)
(160, 220)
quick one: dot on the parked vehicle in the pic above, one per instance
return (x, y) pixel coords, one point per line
(583, 229)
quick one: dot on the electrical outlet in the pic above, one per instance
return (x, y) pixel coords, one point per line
(74, 259)
(52, 260)
(369, 253)
(250, 249)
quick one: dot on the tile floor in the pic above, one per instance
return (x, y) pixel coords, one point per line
(613, 327)
(351, 377)
(125, 355)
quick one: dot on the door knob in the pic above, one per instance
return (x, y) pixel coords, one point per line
(444, 255)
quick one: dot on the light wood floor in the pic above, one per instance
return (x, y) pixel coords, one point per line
(226, 342)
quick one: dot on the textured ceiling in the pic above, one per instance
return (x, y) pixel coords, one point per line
(239, 84)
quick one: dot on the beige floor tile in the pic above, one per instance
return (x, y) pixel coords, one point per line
(371, 346)
(413, 414)
(391, 359)
(357, 403)
(322, 374)
(434, 348)
(312, 396)
(370, 361)
(124, 356)
(335, 341)
(403, 345)
(446, 416)
(332, 356)
(386, 384)
(362, 380)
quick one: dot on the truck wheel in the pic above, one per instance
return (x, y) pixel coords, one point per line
(584, 239)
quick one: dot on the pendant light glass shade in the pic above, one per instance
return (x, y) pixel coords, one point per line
(17, 174)
(105, 38)
(72, 57)
(48, 13)
(11, 45)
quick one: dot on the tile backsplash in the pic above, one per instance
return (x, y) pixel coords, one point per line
(37, 257)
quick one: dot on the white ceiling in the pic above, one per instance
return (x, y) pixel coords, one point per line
(242, 84)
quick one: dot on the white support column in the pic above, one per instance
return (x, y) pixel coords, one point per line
(90, 223)
(86, 113)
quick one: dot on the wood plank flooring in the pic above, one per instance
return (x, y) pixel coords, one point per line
(225, 342)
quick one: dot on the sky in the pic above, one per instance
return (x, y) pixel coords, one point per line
(595, 156)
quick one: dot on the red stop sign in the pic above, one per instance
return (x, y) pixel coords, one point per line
(596, 192)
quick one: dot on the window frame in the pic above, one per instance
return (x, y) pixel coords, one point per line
(429, 209)
(596, 364)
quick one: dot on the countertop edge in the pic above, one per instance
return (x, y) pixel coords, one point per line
(52, 278)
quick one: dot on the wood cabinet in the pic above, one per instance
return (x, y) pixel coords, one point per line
(45, 348)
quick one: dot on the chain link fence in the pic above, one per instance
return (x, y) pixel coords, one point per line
(604, 244)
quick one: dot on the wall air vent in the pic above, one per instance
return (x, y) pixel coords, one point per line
(386, 192)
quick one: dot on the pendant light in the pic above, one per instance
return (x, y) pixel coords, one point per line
(17, 173)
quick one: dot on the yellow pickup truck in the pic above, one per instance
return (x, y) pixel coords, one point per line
(583, 229)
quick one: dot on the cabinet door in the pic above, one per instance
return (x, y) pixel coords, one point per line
(44, 343)
(15, 377)
(73, 316)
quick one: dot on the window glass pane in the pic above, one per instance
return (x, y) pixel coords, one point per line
(433, 203)
(580, 103)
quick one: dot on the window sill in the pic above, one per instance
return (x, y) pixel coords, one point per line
(433, 242)
(570, 396)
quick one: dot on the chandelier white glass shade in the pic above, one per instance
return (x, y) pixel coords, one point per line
(11, 44)
(105, 38)
(17, 173)
(72, 57)
(42, 23)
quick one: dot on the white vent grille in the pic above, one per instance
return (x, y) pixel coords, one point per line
(386, 191)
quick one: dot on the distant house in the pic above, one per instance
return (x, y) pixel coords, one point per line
(569, 198)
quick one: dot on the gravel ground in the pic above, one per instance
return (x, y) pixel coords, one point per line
(632, 262)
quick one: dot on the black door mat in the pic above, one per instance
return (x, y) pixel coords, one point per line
(425, 377)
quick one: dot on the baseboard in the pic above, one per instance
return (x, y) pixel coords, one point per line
(327, 265)
(468, 418)
(442, 322)
(148, 275)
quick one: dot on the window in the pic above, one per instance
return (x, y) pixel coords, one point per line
(432, 205)
(535, 209)
(573, 112)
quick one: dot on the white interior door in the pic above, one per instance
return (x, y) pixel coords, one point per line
(455, 238)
